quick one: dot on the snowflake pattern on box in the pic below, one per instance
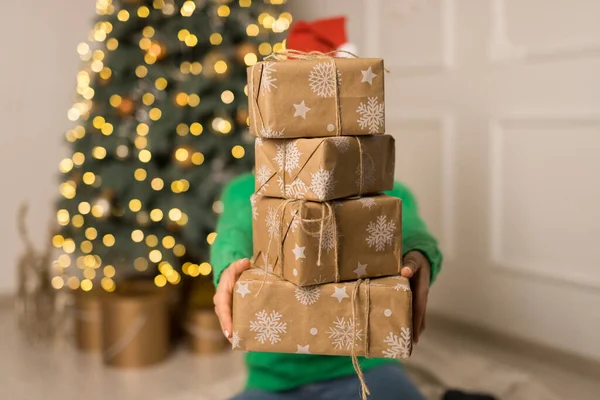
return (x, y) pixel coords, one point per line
(268, 132)
(253, 205)
(381, 233)
(235, 341)
(288, 157)
(341, 143)
(368, 175)
(401, 287)
(281, 185)
(258, 142)
(367, 202)
(342, 333)
(307, 295)
(268, 80)
(322, 183)
(263, 174)
(398, 346)
(322, 78)
(269, 327)
(256, 271)
(328, 239)
(371, 115)
(273, 224)
(295, 190)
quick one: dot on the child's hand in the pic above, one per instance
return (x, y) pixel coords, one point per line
(417, 269)
(223, 299)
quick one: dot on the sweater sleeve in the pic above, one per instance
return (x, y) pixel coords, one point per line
(415, 235)
(234, 228)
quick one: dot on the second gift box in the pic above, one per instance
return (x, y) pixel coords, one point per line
(324, 169)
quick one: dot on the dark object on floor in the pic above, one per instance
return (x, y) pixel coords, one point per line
(458, 395)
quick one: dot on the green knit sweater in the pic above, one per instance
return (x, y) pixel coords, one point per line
(275, 371)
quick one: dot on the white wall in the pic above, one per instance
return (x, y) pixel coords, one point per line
(38, 65)
(494, 106)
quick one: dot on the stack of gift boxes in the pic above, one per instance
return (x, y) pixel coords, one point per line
(327, 243)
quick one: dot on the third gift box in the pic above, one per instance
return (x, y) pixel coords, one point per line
(311, 243)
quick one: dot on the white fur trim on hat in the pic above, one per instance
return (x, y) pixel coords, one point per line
(350, 47)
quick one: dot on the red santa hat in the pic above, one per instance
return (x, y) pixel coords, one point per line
(324, 35)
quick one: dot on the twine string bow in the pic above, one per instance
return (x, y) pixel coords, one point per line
(326, 221)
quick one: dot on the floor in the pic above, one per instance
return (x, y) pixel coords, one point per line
(443, 358)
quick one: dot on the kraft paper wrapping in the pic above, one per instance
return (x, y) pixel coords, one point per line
(88, 320)
(322, 169)
(359, 238)
(136, 327)
(204, 332)
(332, 319)
(303, 98)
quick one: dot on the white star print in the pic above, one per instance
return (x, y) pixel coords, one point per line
(303, 349)
(340, 293)
(361, 270)
(367, 76)
(299, 251)
(242, 289)
(301, 110)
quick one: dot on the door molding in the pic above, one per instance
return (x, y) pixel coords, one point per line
(445, 126)
(503, 50)
(498, 259)
(372, 33)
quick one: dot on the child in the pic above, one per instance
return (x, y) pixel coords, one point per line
(275, 376)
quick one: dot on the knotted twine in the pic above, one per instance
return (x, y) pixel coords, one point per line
(363, 385)
(326, 221)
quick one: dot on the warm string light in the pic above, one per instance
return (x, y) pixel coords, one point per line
(221, 125)
(210, 239)
(194, 270)
(156, 215)
(238, 151)
(216, 39)
(223, 11)
(123, 15)
(68, 189)
(187, 9)
(104, 7)
(157, 184)
(180, 186)
(143, 12)
(196, 129)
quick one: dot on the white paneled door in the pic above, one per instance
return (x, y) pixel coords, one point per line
(495, 105)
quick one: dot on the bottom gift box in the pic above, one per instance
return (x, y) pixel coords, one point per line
(371, 318)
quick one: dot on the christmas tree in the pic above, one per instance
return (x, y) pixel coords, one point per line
(161, 125)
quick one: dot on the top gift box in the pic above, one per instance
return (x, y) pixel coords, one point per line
(317, 98)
